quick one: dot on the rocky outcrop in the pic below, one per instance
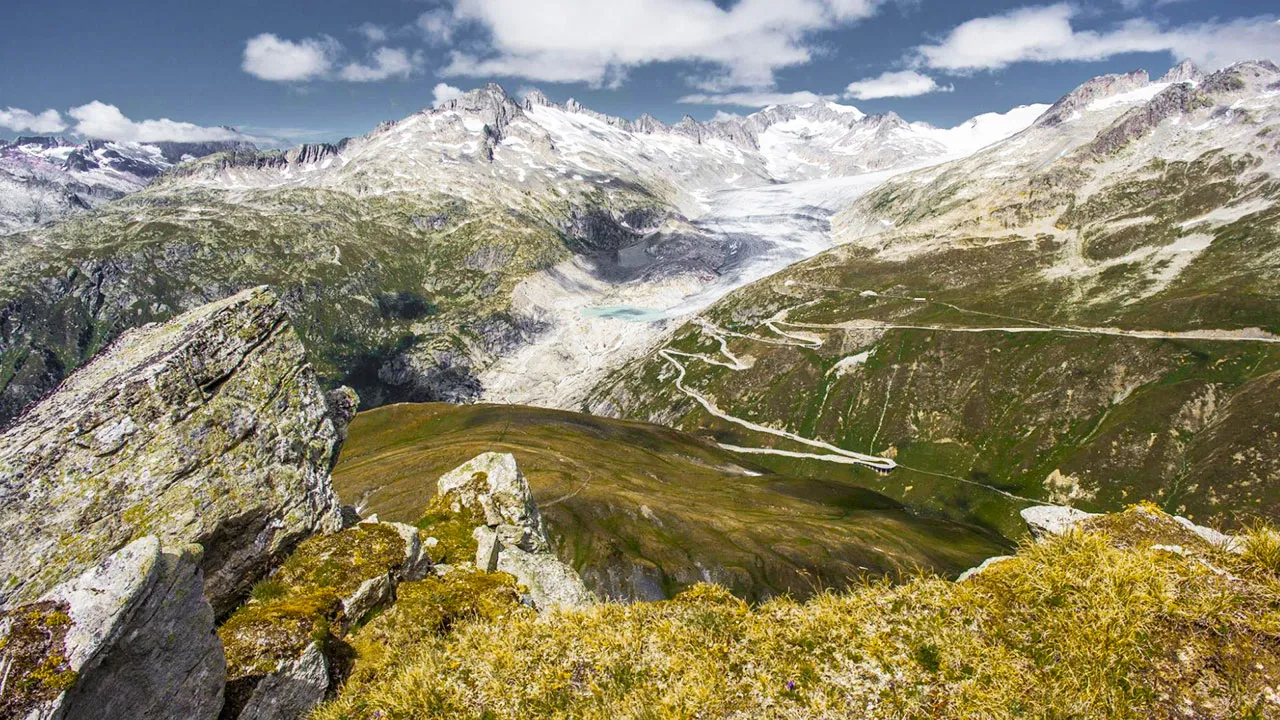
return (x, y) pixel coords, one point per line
(208, 429)
(284, 647)
(1045, 520)
(1175, 100)
(512, 537)
(1103, 86)
(131, 637)
(291, 692)
(1185, 71)
(1138, 523)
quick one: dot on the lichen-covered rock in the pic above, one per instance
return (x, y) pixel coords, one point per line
(1143, 524)
(492, 486)
(1045, 520)
(325, 588)
(548, 581)
(293, 691)
(209, 429)
(132, 637)
(509, 534)
(979, 569)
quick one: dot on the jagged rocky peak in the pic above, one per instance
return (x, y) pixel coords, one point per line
(1249, 77)
(314, 152)
(1185, 71)
(44, 142)
(1177, 99)
(1103, 86)
(490, 104)
(648, 124)
(536, 98)
(211, 428)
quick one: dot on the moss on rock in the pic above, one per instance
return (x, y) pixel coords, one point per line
(33, 657)
(302, 601)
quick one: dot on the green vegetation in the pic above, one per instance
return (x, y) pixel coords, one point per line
(396, 294)
(33, 659)
(301, 602)
(424, 612)
(642, 511)
(1079, 626)
(980, 420)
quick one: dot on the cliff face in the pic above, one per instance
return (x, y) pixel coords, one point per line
(208, 429)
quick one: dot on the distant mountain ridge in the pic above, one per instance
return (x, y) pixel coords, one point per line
(46, 178)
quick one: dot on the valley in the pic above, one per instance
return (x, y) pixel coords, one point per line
(643, 512)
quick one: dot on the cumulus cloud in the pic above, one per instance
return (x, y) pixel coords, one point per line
(101, 121)
(754, 99)
(385, 63)
(437, 25)
(19, 120)
(722, 116)
(1046, 34)
(375, 34)
(597, 43)
(269, 57)
(443, 93)
(906, 83)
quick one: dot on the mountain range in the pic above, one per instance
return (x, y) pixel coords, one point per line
(779, 281)
(405, 253)
(44, 179)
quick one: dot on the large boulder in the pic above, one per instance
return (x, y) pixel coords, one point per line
(131, 637)
(509, 532)
(1139, 524)
(209, 429)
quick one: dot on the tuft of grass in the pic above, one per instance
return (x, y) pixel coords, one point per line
(1079, 626)
(1261, 548)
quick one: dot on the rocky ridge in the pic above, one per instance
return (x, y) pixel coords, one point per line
(208, 429)
(44, 179)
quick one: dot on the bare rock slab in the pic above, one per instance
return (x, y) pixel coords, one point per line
(209, 429)
(132, 637)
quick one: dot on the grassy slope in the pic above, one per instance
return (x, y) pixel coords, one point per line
(1094, 421)
(1107, 623)
(645, 511)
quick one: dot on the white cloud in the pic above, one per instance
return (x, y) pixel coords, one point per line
(722, 116)
(105, 122)
(19, 120)
(387, 63)
(594, 42)
(437, 26)
(1046, 34)
(754, 98)
(269, 57)
(906, 83)
(443, 93)
(375, 34)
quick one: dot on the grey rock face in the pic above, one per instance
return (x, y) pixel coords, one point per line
(1185, 71)
(292, 692)
(1174, 100)
(493, 486)
(513, 538)
(1045, 520)
(141, 639)
(1103, 86)
(208, 429)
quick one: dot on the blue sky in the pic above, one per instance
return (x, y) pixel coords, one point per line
(322, 69)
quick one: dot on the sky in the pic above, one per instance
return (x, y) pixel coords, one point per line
(282, 73)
